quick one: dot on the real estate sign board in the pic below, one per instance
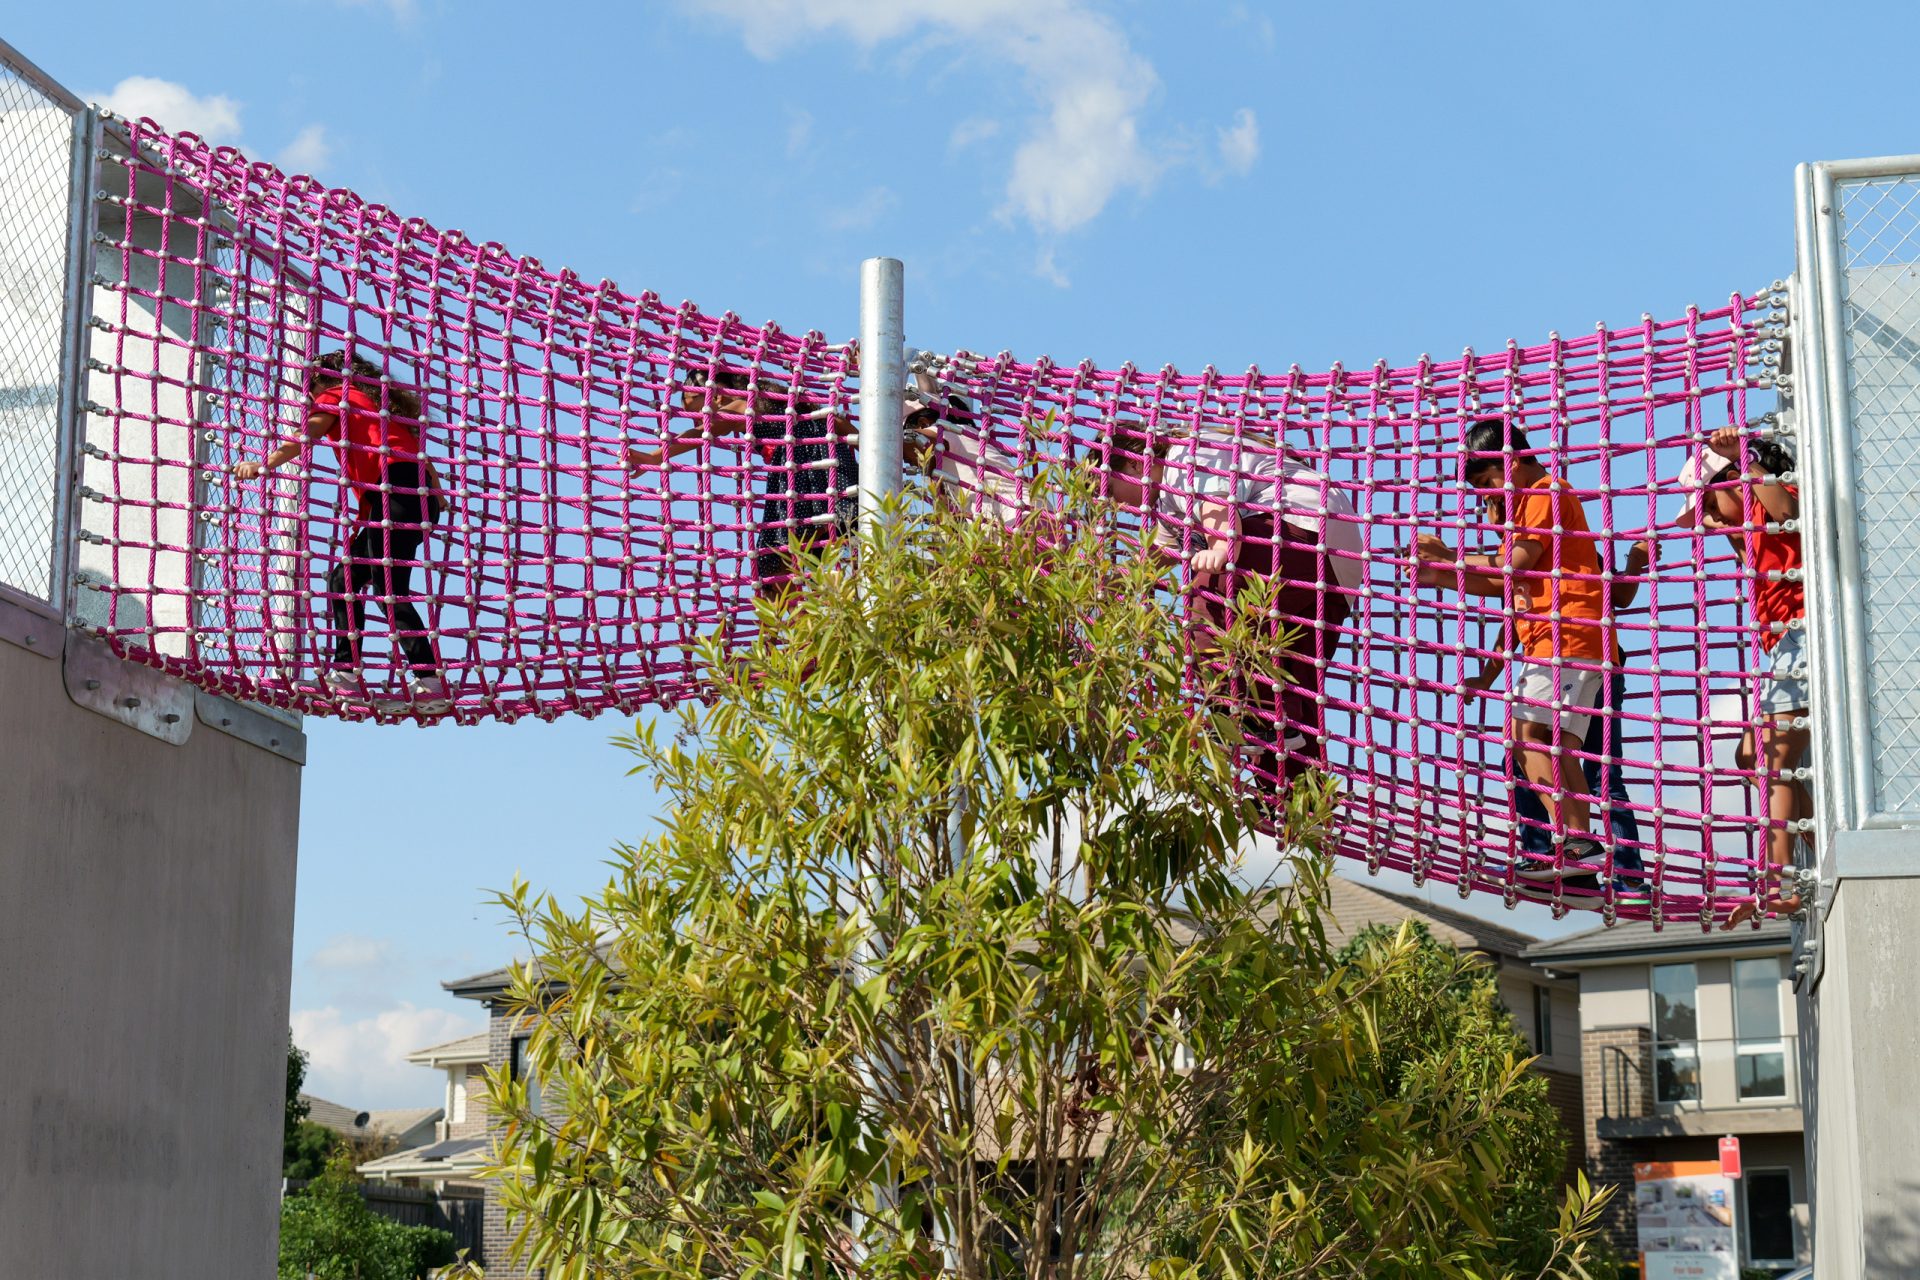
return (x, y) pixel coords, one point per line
(1685, 1212)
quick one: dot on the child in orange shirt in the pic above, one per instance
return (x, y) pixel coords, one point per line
(1550, 562)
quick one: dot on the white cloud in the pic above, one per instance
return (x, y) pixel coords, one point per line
(1240, 143)
(971, 132)
(350, 951)
(309, 152)
(1083, 149)
(799, 130)
(362, 1063)
(1262, 25)
(661, 188)
(215, 118)
(869, 208)
(1047, 269)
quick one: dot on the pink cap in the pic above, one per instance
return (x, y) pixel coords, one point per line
(1701, 470)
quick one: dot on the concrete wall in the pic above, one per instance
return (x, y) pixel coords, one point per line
(1864, 1126)
(146, 932)
(1615, 996)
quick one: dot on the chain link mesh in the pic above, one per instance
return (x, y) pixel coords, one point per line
(36, 141)
(1880, 253)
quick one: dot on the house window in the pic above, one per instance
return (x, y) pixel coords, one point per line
(1676, 1034)
(1543, 1021)
(523, 1070)
(1769, 1214)
(1760, 1050)
(457, 1095)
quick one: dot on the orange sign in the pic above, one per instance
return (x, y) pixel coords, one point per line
(1675, 1169)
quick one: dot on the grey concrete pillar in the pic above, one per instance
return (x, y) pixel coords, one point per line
(146, 937)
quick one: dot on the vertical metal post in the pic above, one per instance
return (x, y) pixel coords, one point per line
(77, 310)
(883, 400)
(883, 382)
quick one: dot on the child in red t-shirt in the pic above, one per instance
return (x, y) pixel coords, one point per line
(395, 490)
(1771, 556)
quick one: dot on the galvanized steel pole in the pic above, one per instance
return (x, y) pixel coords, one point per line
(883, 382)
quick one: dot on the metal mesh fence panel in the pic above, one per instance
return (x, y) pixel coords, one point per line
(1880, 287)
(36, 149)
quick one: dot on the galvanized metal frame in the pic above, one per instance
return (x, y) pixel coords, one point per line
(1837, 612)
(75, 344)
(25, 68)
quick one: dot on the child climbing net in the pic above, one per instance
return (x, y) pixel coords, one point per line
(1528, 662)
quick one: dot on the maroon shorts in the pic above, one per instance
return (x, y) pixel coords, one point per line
(1284, 721)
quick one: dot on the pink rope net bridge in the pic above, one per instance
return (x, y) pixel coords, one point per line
(539, 492)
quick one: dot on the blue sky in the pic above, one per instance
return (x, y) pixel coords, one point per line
(1202, 182)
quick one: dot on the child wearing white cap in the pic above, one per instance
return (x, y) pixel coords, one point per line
(1773, 559)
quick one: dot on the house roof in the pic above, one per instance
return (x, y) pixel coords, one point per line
(485, 986)
(454, 1157)
(1353, 906)
(481, 985)
(331, 1115)
(402, 1121)
(1638, 938)
(395, 1122)
(471, 1048)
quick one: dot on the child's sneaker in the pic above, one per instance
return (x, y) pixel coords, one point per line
(1580, 865)
(345, 684)
(430, 696)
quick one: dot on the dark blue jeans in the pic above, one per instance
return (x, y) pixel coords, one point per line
(1603, 739)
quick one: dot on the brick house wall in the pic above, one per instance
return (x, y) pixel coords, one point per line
(1567, 1098)
(499, 1233)
(1610, 1163)
(475, 1123)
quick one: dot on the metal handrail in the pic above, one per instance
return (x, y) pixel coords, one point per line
(1629, 1087)
(1625, 1062)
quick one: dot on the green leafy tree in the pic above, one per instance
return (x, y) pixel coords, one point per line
(297, 1107)
(940, 966)
(328, 1233)
(1438, 1017)
(304, 1145)
(306, 1155)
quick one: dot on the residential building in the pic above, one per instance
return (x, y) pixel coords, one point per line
(447, 1158)
(374, 1131)
(1686, 1037)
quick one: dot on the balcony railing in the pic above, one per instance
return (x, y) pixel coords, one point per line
(1666, 1077)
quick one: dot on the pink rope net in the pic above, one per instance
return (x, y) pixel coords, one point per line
(620, 478)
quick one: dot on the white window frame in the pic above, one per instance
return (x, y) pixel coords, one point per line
(1744, 1048)
(1746, 1218)
(457, 1094)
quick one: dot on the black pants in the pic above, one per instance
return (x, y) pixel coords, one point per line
(380, 557)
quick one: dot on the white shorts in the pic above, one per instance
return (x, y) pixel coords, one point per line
(1783, 682)
(1576, 689)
